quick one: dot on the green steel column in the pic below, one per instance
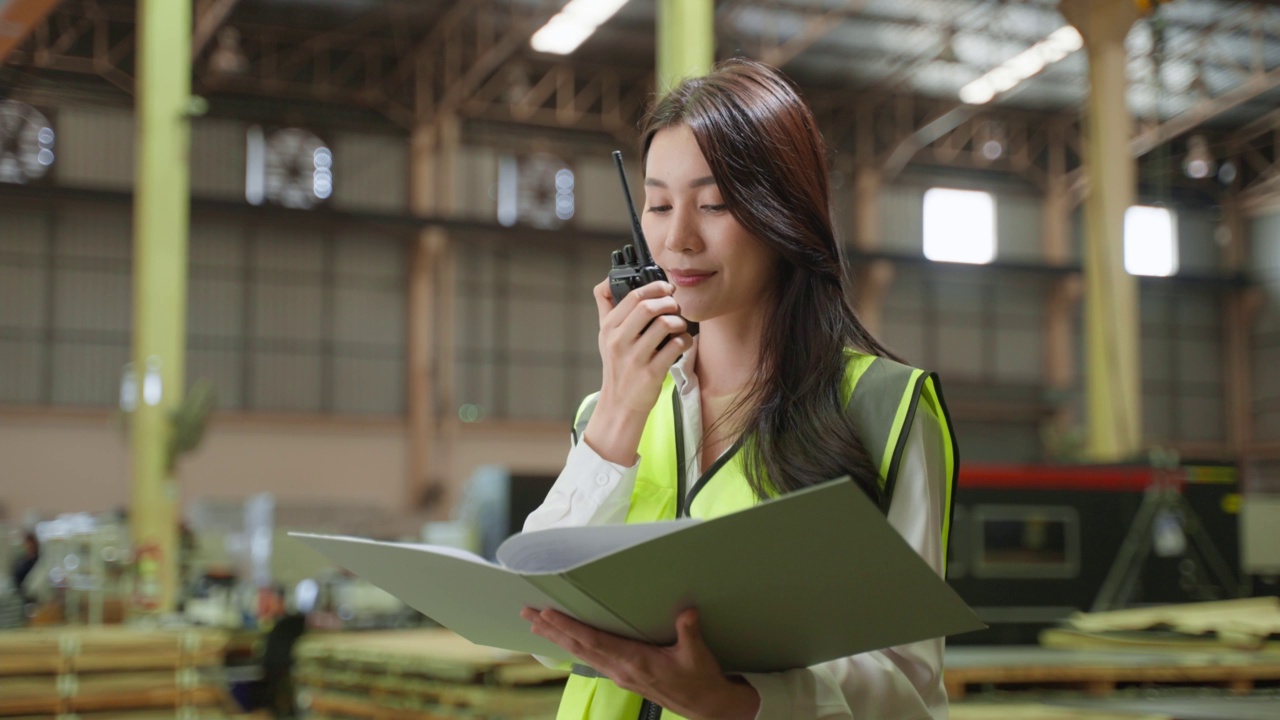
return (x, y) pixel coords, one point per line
(160, 216)
(686, 40)
(1113, 383)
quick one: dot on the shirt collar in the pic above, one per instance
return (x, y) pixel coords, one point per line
(682, 370)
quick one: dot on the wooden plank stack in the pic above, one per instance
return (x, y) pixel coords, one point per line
(1100, 674)
(1231, 644)
(111, 669)
(420, 675)
(1250, 624)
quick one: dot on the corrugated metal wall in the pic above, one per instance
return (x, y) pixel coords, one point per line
(218, 158)
(96, 150)
(1182, 375)
(279, 318)
(978, 326)
(527, 327)
(1265, 238)
(598, 200)
(299, 319)
(26, 270)
(95, 147)
(284, 317)
(370, 172)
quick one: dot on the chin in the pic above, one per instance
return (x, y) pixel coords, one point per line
(694, 314)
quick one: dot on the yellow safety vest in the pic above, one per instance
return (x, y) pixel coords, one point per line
(882, 396)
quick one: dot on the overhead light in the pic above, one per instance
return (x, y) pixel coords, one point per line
(228, 58)
(948, 53)
(1199, 163)
(1059, 44)
(575, 23)
(1227, 172)
(1198, 85)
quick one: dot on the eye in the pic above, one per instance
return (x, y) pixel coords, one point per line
(715, 208)
(659, 209)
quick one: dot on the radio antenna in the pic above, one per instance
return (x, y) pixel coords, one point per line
(637, 234)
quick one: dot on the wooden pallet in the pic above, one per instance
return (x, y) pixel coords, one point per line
(196, 714)
(1032, 711)
(420, 675)
(531, 705)
(1251, 620)
(59, 671)
(433, 653)
(1099, 674)
(1148, 641)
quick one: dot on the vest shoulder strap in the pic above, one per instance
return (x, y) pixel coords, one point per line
(890, 390)
(883, 404)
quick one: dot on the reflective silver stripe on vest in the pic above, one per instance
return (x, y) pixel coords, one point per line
(874, 405)
(584, 416)
(584, 671)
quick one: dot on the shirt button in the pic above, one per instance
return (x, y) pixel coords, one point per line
(602, 479)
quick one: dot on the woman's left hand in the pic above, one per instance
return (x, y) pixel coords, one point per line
(684, 677)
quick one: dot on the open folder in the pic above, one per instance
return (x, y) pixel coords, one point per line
(811, 576)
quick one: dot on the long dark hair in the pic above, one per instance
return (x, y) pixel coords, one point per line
(770, 164)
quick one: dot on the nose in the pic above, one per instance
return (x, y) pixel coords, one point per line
(683, 234)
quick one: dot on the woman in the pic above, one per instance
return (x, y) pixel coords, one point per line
(783, 388)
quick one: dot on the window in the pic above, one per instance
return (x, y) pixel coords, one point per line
(959, 226)
(1150, 241)
(1025, 541)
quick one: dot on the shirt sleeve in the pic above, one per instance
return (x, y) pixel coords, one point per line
(898, 683)
(589, 491)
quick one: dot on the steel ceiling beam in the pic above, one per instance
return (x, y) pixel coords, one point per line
(1203, 112)
(18, 18)
(565, 95)
(471, 62)
(210, 16)
(777, 50)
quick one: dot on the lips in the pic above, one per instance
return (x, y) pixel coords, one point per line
(688, 278)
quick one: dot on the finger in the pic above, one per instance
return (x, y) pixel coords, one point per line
(666, 356)
(641, 318)
(590, 637)
(604, 299)
(688, 629)
(626, 308)
(690, 646)
(576, 644)
(660, 328)
(578, 630)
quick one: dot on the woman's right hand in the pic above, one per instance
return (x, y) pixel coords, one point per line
(634, 365)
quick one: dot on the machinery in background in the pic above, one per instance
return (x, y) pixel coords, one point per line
(84, 574)
(1260, 542)
(495, 503)
(245, 571)
(1032, 544)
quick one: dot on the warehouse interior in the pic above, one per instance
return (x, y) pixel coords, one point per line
(325, 266)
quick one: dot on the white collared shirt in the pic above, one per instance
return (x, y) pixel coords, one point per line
(898, 683)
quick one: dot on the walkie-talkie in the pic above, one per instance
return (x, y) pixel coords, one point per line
(633, 266)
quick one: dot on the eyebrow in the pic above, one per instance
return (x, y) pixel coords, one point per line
(700, 182)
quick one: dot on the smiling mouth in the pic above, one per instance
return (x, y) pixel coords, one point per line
(687, 278)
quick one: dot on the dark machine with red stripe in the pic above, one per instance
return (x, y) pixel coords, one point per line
(1032, 544)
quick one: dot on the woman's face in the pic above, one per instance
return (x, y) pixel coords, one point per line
(718, 267)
